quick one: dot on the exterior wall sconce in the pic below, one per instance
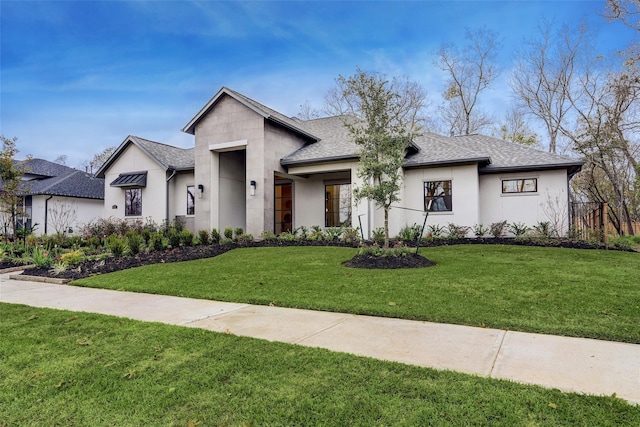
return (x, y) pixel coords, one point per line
(114, 207)
(200, 190)
(252, 186)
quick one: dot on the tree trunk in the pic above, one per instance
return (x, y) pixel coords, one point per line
(386, 228)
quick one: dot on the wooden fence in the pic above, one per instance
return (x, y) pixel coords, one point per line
(591, 220)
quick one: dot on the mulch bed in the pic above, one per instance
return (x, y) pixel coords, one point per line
(89, 268)
(387, 262)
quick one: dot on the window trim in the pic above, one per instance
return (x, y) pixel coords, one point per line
(333, 183)
(127, 206)
(193, 197)
(511, 193)
(450, 195)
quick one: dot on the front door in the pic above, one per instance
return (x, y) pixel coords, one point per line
(283, 207)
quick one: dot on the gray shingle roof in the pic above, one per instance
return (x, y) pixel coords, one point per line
(167, 155)
(60, 180)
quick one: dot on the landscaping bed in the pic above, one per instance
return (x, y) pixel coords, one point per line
(188, 253)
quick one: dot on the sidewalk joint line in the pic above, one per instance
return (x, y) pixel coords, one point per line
(351, 316)
(495, 359)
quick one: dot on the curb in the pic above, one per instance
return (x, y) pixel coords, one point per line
(41, 279)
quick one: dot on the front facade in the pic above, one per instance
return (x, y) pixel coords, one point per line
(254, 168)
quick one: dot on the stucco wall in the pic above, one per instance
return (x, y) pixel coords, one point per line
(549, 203)
(178, 198)
(266, 144)
(64, 212)
(233, 197)
(133, 159)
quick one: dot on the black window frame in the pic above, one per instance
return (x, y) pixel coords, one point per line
(128, 208)
(517, 191)
(191, 199)
(442, 202)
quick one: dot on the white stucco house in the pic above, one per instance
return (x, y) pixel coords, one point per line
(255, 168)
(57, 198)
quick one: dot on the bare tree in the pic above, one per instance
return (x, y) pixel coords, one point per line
(470, 71)
(545, 70)
(515, 128)
(307, 112)
(61, 159)
(627, 11)
(98, 160)
(608, 120)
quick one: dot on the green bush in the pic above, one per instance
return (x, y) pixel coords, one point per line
(316, 233)
(228, 233)
(287, 237)
(203, 236)
(186, 237)
(410, 233)
(268, 236)
(350, 235)
(378, 235)
(333, 233)
(72, 258)
(480, 230)
(215, 236)
(498, 229)
(173, 237)
(457, 231)
(518, 229)
(157, 242)
(146, 235)
(244, 238)
(237, 232)
(116, 245)
(41, 257)
(134, 241)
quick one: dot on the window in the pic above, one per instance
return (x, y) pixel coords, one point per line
(439, 194)
(191, 199)
(283, 207)
(23, 219)
(337, 205)
(133, 202)
(526, 185)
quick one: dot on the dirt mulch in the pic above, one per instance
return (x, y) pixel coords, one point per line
(388, 262)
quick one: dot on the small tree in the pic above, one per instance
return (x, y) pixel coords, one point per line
(13, 187)
(383, 117)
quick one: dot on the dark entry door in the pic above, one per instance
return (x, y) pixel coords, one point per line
(283, 207)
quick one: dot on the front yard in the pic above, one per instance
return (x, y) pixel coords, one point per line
(65, 368)
(584, 293)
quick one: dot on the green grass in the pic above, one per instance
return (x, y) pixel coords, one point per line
(65, 368)
(584, 293)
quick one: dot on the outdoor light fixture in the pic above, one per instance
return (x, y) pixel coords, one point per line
(252, 185)
(200, 190)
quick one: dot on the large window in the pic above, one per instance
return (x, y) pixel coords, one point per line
(337, 205)
(526, 185)
(133, 202)
(438, 193)
(283, 207)
(191, 199)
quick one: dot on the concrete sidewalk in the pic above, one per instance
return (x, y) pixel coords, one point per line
(569, 364)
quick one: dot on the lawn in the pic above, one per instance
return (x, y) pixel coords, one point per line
(65, 368)
(584, 293)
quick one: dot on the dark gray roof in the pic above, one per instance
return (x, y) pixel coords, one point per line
(491, 154)
(167, 156)
(335, 143)
(58, 180)
(135, 179)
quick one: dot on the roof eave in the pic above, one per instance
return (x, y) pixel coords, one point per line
(572, 167)
(320, 160)
(448, 162)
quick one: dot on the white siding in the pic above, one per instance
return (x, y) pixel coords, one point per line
(64, 212)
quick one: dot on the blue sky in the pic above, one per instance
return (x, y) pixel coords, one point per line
(79, 76)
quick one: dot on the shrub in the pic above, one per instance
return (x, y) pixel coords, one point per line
(410, 233)
(215, 236)
(543, 229)
(268, 236)
(203, 236)
(377, 251)
(244, 238)
(286, 237)
(228, 233)
(41, 257)
(457, 231)
(173, 236)
(58, 267)
(237, 232)
(157, 242)
(316, 233)
(302, 231)
(518, 229)
(72, 258)
(225, 241)
(350, 235)
(377, 235)
(186, 237)
(146, 235)
(334, 233)
(116, 245)
(436, 230)
(133, 241)
(498, 229)
(480, 230)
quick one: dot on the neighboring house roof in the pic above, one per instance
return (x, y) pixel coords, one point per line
(166, 156)
(264, 111)
(49, 178)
